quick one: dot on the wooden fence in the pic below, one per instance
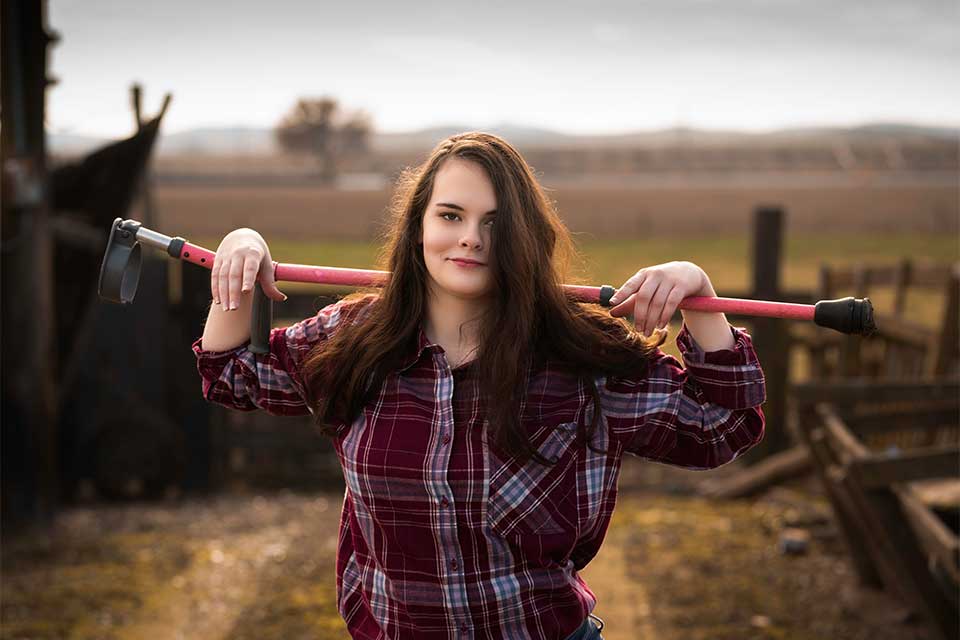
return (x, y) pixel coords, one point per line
(887, 455)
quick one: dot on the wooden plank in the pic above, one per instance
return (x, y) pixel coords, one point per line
(844, 443)
(939, 493)
(850, 392)
(925, 275)
(948, 342)
(776, 468)
(887, 525)
(850, 526)
(812, 436)
(928, 412)
(881, 556)
(902, 331)
(935, 537)
(901, 283)
(883, 469)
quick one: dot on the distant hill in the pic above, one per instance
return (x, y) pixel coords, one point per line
(259, 141)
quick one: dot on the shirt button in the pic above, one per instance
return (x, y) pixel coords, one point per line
(446, 438)
(443, 501)
(454, 565)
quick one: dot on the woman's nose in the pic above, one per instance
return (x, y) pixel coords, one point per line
(471, 238)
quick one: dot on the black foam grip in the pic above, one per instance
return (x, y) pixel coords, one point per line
(261, 320)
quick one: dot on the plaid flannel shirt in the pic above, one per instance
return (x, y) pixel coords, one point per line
(444, 536)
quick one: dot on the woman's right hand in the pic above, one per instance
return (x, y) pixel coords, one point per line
(242, 259)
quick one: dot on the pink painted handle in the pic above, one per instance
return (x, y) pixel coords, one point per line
(740, 306)
(284, 272)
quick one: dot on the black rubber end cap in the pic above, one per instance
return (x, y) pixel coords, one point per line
(846, 315)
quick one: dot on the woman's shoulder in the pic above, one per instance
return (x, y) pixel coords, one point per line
(328, 320)
(349, 309)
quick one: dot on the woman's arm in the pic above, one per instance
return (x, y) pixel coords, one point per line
(242, 259)
(698, 414)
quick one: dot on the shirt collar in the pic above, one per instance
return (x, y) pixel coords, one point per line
(413, 355)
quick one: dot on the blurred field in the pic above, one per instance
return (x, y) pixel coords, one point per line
(654, 207)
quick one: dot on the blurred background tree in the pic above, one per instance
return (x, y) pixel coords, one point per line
(321, 127)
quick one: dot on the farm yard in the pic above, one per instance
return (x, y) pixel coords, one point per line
(255, 561)
(674, 566)
(764, 142)
(255, 564)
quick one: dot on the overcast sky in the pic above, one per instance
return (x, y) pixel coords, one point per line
(587, 67)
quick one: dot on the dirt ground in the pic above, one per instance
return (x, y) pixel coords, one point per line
(674, 565)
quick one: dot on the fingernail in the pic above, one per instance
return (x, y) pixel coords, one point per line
(233, 305)
(284, 298)
(614, 300)
(216, 302)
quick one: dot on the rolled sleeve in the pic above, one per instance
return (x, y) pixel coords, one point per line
(242, 380)
(731, 378)
(699, 414)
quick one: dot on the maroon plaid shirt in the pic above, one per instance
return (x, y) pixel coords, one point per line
(441, 535)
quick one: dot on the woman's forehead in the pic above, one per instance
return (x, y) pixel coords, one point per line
(464, 184)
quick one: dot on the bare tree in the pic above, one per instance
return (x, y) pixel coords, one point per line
(320, 127)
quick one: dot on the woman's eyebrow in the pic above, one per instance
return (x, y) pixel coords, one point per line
(459, 208)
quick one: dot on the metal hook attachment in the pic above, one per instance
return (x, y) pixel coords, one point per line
(120, 269)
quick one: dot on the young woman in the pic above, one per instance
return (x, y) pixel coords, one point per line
(479, 414)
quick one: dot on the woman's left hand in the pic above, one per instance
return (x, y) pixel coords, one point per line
(652, 294)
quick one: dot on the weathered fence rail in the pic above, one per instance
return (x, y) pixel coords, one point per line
(888, 457)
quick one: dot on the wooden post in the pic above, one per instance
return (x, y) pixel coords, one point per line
(30, 484)
(186, 404)
(770, 335)
(147, 215)
(947, 342)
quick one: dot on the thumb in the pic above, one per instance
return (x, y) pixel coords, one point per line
(269, 286)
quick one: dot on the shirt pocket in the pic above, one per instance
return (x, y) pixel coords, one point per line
(532, 498)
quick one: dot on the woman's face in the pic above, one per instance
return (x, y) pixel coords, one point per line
(457, 224)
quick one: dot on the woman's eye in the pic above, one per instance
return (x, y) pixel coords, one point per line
(444, 215)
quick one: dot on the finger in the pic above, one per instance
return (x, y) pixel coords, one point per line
(275, 293)
(622, 300)
(624, 307)
(251, 264)
(656, 308)
(236, 277)
(268, 282)
(215, 280)
(659, 307)
(670, 307)
(642, 304)
(223, 284)
(627, 288)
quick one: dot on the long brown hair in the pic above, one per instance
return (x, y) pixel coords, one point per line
(531, 251)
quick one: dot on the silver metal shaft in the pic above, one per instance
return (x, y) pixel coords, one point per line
(153, 239)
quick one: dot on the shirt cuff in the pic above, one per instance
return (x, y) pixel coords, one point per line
(210, 364)
(729, 377)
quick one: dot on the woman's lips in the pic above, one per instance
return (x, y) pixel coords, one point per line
(466, 263)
